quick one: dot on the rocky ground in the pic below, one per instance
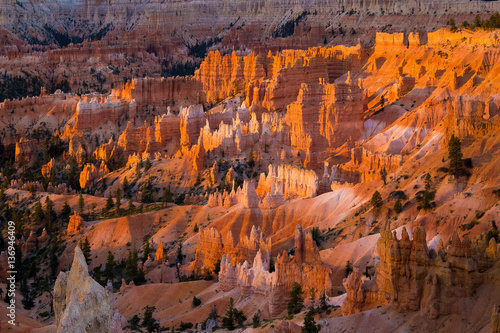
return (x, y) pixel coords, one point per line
(366, 170)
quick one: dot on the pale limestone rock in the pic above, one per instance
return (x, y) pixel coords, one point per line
(80, 303)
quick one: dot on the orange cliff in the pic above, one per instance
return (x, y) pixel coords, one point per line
(211, 248)
(412, 277)
(325, 116)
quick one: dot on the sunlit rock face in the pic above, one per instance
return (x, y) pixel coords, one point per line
(411, 277)
(305, 268)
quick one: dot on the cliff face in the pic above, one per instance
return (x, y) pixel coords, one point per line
(305, 268)
(325, 115)
(411, 277)
(211, 248)
(290, 181)
(80, 303)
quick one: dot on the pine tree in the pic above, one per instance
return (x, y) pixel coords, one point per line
(452, 24)
(256, 319)
(140, 277)
(149, 322)
(232, 316)
(147, 165)
(376, 200)
(179, 256)
(85, 247)
(125, 184)
(309, 323)
(166, 196)
(348, 268)
(131, 206)
(39, 214)
(138, 170)
(66, 211)
(146, 251)
(109, 203)
(146, 192)
(322, 301)
(383, 174)
(195, 228)
(455, 154)
(428, 195)
(81, 204)
(296, 302)
(398, 207)
(49, 210)
(312, 292)
(131, 264)
(118, 196)
(110, 265)
(251, 160)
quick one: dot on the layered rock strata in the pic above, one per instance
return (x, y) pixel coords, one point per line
(305, 267)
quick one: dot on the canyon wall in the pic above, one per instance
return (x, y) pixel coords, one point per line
(325, 116)
(211, 248)
(305, 267)
(411, 277)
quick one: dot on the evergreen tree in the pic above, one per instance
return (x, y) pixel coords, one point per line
(309, 323)
(109, 203)
(348, 268)
(140, 277)
(134, 322)
(179, 255)
(146, 251)
(66, 211)
(166, 196)
(49, 210)
(138, 170)
(451, 23)
(53, 259)
(428, 195)
(398, 207)
(81, 204)
(147, 165)
(39, 214)
(455, 154)
(296, 302)
(383, 174)
(131, 264)
(312, 292)
(146, 192)
(196, 301)
(85, 247)
(110, 265)
(195, 228)
(376, 200)
(322, 301)
(131, 206)
(149, 322)
(256, 319)
(251, 160)
(126, 184)
(316, 235)
(428, 182)
(232, 316)
(118, 196)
